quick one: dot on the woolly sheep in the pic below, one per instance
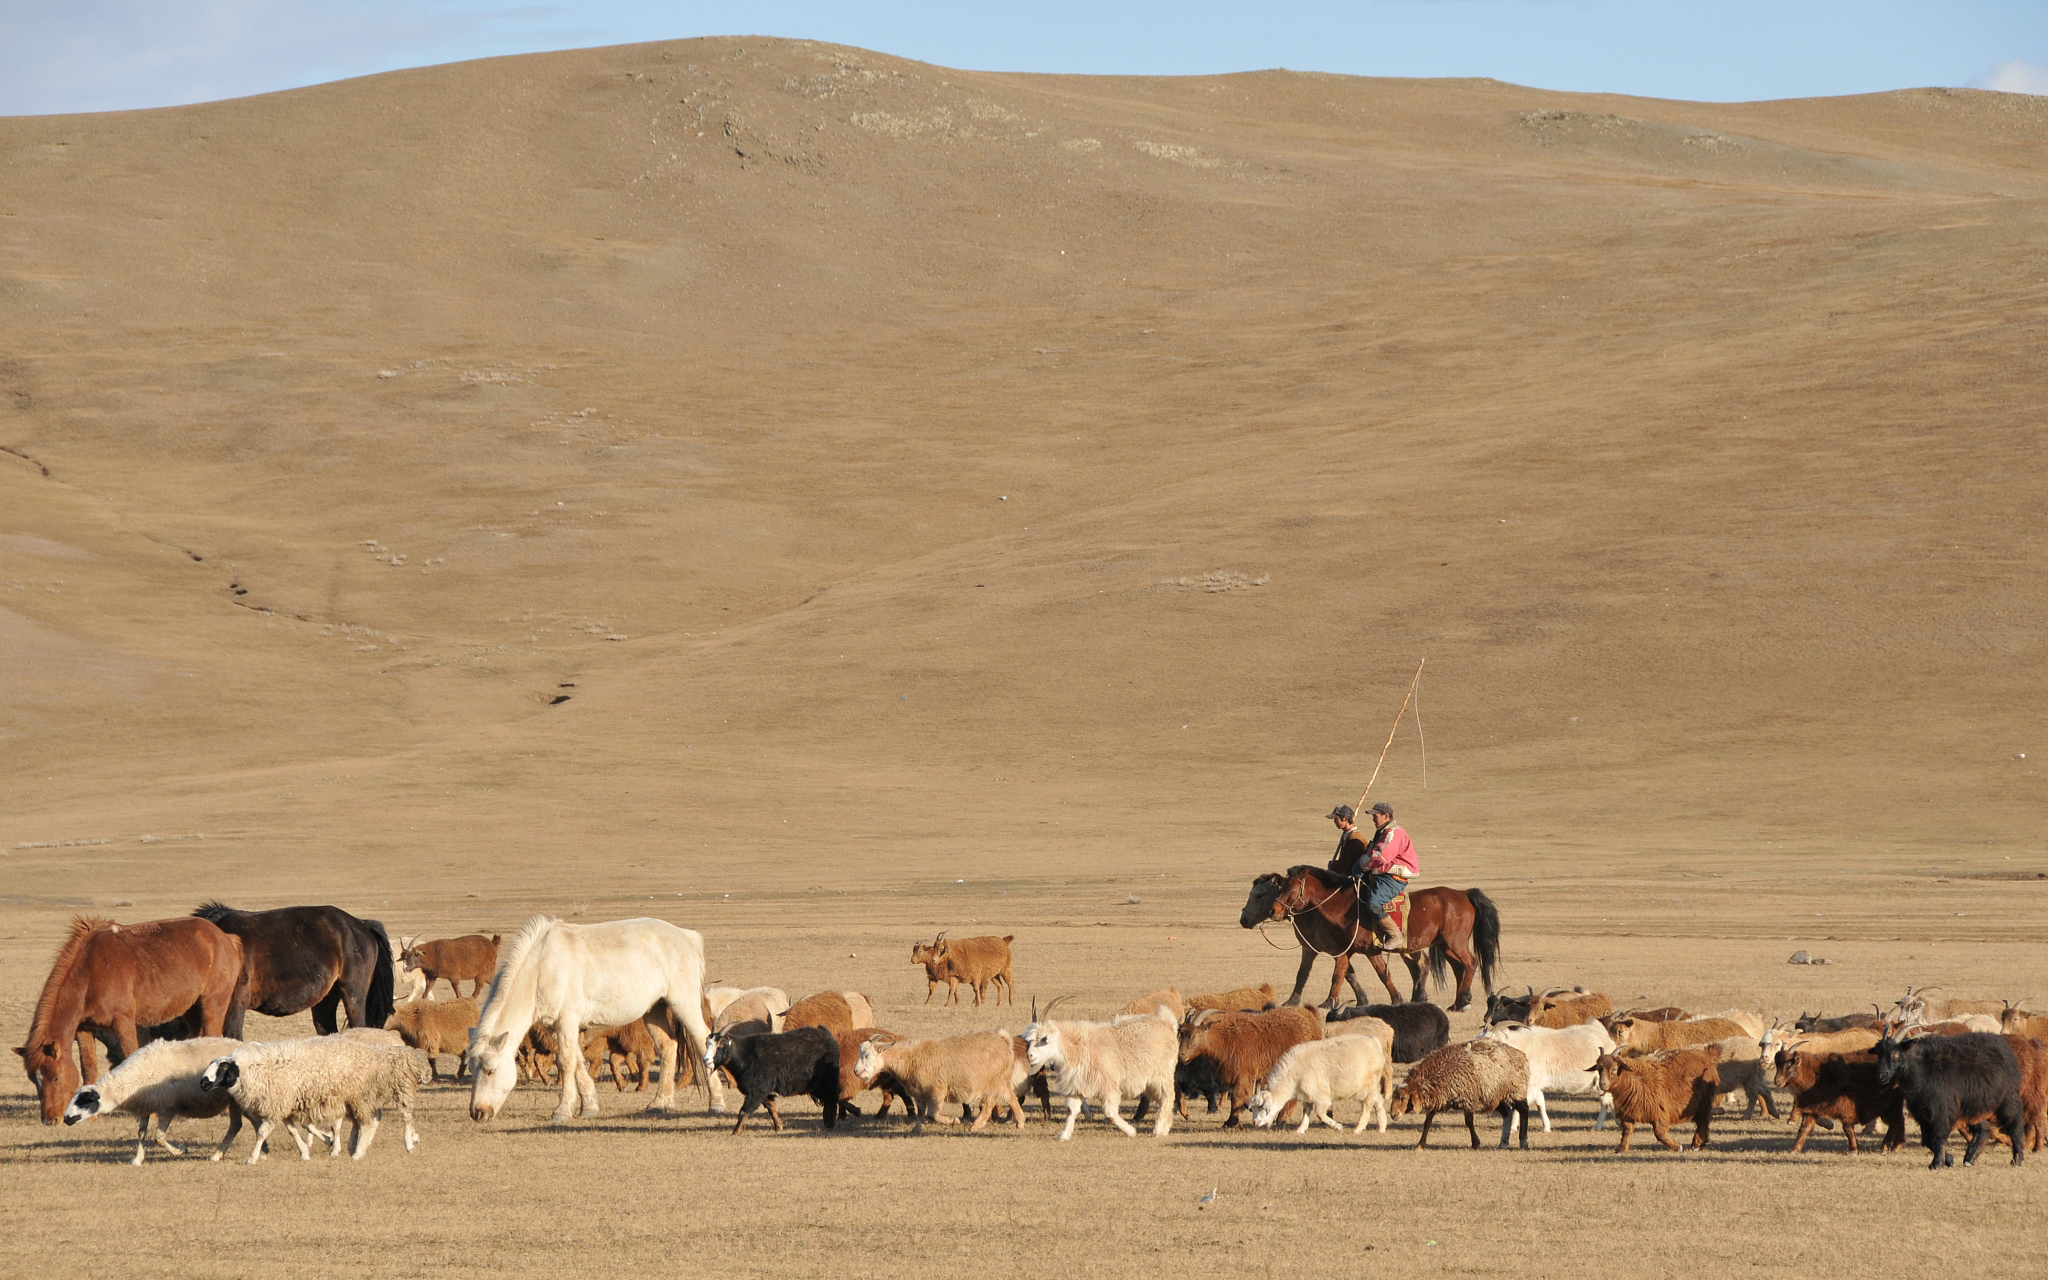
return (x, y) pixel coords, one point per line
(1480, 1075)
(1560, 1059)
(319, 1080)
(157, 1084)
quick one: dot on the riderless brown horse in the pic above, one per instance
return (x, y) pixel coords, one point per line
(116, 977)
(318, 958)
(1458, 927)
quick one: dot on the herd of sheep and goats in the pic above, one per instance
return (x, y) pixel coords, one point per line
(559, 1001)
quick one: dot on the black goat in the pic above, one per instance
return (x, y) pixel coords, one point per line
(1972, 1078)
(1420, 1028)
(1198, 1077)
(769, 1065)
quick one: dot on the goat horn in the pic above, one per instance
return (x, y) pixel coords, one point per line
(1034, 1009)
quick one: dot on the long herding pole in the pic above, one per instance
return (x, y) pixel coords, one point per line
(1412, 684)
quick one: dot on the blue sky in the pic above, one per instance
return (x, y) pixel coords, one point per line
(101, 55)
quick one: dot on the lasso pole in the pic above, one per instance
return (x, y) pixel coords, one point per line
(1412, 685)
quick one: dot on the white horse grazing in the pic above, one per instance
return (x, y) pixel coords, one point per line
(571, 976)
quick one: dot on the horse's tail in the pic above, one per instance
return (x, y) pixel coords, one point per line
(1485, 935)
(1439, 961)
(381, 998)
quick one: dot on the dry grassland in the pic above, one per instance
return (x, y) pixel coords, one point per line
(822, 499)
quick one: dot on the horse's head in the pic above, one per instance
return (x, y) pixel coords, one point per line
(1264, 902)
(54, 1073)
(493, 1072)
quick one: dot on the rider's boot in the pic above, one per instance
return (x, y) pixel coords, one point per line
(1383, 929)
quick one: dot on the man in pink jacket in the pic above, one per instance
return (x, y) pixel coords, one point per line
(1384, 871)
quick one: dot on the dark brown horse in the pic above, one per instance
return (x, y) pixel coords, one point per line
(118, 977)
(1458, 927)
(314, 958)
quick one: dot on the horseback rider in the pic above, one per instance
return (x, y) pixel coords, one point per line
(1382, 864)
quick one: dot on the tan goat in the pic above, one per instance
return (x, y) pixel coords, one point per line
(436, 1027)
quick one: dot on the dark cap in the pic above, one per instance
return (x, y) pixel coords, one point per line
(1345, 812)
(1383, 807)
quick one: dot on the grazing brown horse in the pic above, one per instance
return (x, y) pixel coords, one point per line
(118, 977)
(318, 958)
(1450, 924)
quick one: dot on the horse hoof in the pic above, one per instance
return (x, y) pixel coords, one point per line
(718, 1108)
(560, 1117)
(590, 1113)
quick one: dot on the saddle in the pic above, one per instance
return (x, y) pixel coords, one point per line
(1397, 915)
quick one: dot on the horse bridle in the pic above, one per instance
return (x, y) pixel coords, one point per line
(1295, 923)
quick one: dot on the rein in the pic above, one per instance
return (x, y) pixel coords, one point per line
(1293, 919)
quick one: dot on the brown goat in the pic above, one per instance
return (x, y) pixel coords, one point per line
(472, 957)
(1841, 1087)
(2033, 1056)
(2018, 1022)
(1241, 1000)
(1661, 1089)
(1245, 1046)
(1479, 1075)
(1651, 1037)
(1568, 1010)
(1166, 996)
(536, 1058)
(435, 1027)
(850, 1083)
(1663, 1013)
(976, 962)
(835, 1011)
(630, 1045)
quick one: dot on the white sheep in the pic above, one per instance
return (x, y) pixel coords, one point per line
(318, 1080)
(1320, 1072)
(1560, 1059)
(157, 1084)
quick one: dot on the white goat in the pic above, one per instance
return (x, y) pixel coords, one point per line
(318, 1080)
(157, 1084)
(1320, 1072)
(1741, 1067)
(411, 982)
(1561, 1059)
(1106, 1062)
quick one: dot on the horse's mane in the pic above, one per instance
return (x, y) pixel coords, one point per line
(512, 963)
(213, 910)
(82, 928)
(1325, 878)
